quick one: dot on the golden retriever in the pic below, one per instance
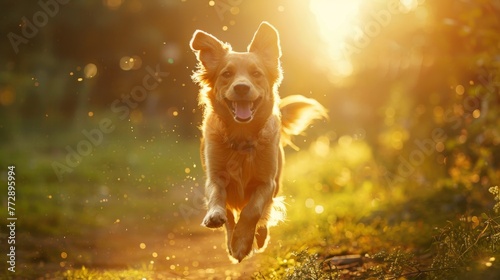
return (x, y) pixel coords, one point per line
(245, 126)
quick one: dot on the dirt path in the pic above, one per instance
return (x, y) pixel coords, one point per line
(187, 251)
(183, 252)
(203, 256)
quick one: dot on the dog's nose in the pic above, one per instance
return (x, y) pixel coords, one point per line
(241, 89)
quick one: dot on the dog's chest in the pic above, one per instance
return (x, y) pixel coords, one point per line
(242, 161)
(246, 166)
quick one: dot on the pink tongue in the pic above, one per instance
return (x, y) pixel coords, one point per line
(243, 110)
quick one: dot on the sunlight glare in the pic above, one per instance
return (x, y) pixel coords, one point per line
(336, 19)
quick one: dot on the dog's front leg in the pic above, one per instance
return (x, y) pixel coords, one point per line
(244, 232)
(216, 203)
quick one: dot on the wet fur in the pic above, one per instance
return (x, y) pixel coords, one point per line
(243, 156)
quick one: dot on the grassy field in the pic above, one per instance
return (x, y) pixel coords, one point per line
(131, 208)
(346, 222)
(130, 187)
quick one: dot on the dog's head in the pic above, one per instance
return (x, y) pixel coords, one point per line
(239, 85)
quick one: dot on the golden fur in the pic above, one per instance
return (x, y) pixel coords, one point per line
(245, 127)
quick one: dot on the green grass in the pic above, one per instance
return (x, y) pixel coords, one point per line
(130, 183)
(339, 204)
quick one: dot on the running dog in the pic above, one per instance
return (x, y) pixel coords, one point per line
(245, 127)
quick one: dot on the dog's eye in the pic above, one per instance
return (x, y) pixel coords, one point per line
(227, 74)
(256, 74)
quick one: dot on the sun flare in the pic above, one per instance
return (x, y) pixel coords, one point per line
(336, 19)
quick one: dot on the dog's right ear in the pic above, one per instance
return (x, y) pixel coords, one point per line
(208, 49)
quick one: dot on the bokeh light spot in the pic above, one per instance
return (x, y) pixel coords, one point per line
(136, 62)
(126, 63)
(234, 10)
(6, 96)
(112, 4)
(476, 113)
(319, 209)
(90, 70)
(345, 140)
(309, 203)
(321, 146)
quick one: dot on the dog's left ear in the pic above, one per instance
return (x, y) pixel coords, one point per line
(266, 42)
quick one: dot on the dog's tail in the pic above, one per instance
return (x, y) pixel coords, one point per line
(297, 113)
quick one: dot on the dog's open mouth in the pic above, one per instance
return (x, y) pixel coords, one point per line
(243, 111)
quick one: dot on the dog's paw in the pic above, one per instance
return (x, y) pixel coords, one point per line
(215, 218)
(261, 237)
(241, 243)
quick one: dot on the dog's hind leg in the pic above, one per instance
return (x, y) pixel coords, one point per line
(261, 237)
(262, 232)
(245, 229)
(229, 228)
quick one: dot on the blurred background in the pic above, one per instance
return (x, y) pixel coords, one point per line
(99, 116)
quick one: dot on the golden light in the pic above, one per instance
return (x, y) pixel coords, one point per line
(137, 62)
(336, 20)
(126, 63)
(408, 5)
(319, 209)
(112, 4)
(460, 90)
(90, 70)
(321, 147)
(7, 96)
